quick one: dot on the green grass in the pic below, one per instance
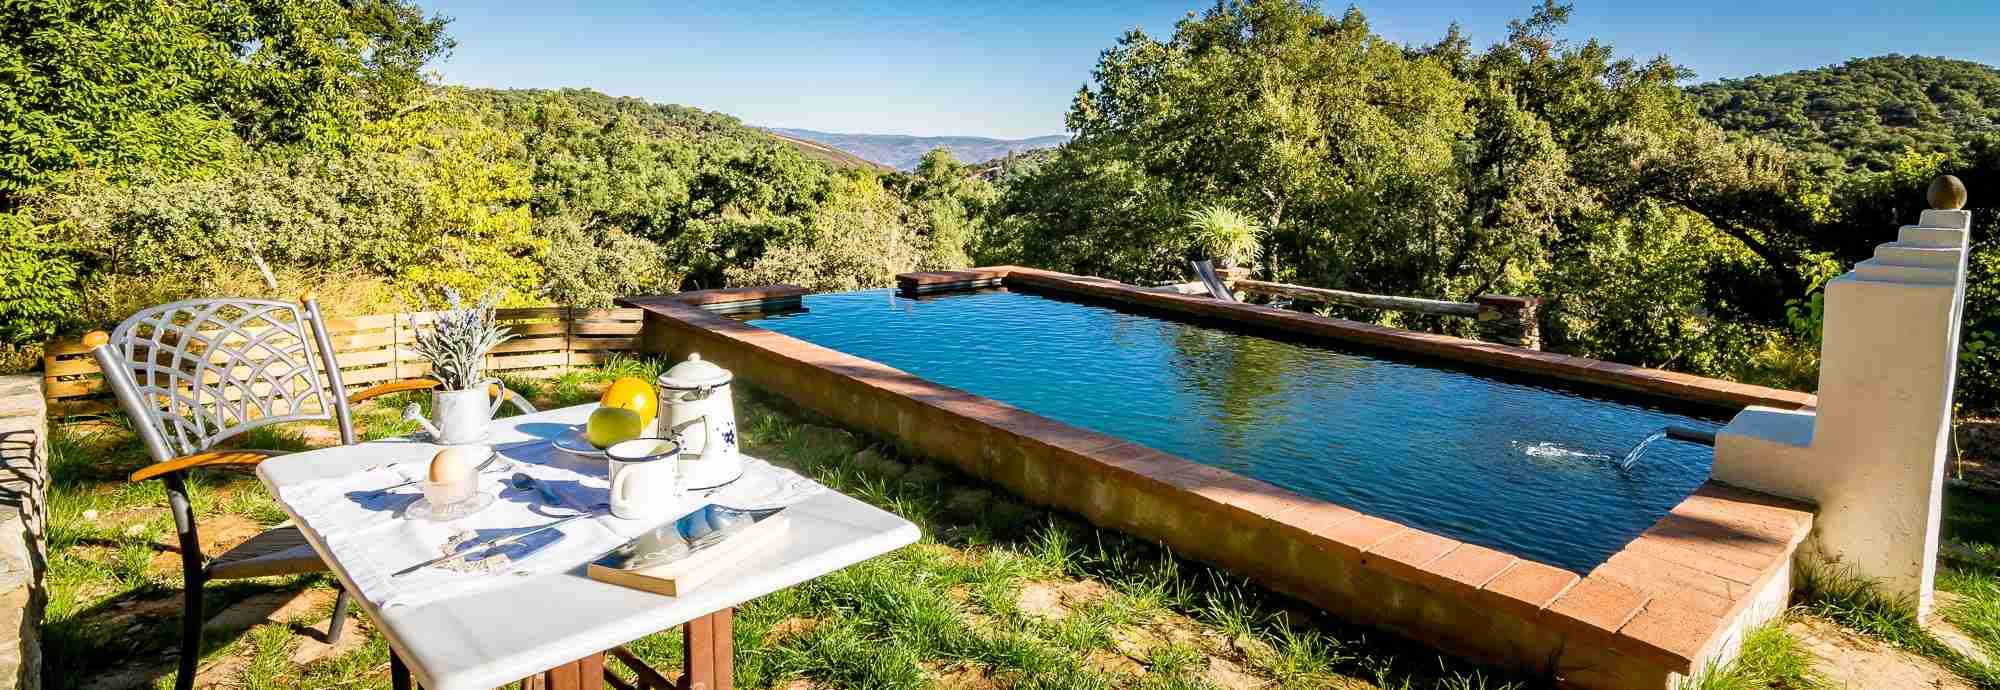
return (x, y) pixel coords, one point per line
(971, 600)
(1771, 658)
(1131, 614)
(1834, 592)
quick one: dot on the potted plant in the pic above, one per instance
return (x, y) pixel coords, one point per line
(456, 345)
(1228, 238)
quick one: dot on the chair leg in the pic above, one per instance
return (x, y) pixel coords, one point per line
(193, 577)
(191, 620)
(339, 623)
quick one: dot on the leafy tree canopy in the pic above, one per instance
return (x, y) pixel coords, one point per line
(1866, 112)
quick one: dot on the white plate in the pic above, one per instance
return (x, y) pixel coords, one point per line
(573, 442)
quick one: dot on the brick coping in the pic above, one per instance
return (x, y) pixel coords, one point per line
(723, 297)
(1672, 596)
(1656, 382)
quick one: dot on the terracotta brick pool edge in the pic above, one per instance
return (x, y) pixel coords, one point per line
(1674, 599)
(1669, 384)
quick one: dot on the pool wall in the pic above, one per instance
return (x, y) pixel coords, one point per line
(1677, 598)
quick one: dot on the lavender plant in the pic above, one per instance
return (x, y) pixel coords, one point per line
(457, 343)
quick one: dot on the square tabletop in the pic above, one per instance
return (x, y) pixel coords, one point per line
(496, 636)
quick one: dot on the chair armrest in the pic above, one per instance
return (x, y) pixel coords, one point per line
(243, 458)
(382, 389)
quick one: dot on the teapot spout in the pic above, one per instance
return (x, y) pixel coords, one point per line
(415, 413)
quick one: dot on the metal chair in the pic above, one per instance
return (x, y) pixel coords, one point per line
(194, 373)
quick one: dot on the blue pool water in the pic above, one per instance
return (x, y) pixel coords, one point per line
(1520, 465)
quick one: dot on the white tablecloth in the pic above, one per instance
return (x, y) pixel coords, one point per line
(375, 539)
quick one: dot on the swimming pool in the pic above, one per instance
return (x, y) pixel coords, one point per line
(1521, 465)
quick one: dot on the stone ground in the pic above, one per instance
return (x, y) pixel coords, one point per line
(1847, 659)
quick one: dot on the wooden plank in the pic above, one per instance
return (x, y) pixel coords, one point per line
(369, 322)
(365, 358)
(607, 329)
(525, 330)
(532, 361)
(66, 347)
(74, 388)
(595, 344)
(358, 340)
(542, 344)
(520, 313)
(82, 406)
(52, 368)
(616, 313)
(1358, 299)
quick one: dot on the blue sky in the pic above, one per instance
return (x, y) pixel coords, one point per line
(1009, 69)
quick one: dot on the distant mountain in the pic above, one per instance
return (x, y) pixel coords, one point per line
(902, 152)
(828, 154)
(1865, 111)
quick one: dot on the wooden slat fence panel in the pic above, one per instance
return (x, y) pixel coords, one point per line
(376, 348)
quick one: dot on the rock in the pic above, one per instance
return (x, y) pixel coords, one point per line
(927, 475)
(873, 462)
(1951, 636)
(968, 504)
(1227, 675)
(1041, 600)
(825, 439)
(1114, 664)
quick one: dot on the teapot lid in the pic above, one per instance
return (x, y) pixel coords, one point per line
(694, 373)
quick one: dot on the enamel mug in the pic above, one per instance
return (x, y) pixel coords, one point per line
(645, 478)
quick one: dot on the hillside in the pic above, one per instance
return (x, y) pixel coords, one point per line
(664, 119)
(902, 152)
(1863, 112)
(828, 154)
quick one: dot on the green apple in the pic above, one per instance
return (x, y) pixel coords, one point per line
(611, 425)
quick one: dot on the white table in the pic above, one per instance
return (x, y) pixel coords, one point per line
(555, 629)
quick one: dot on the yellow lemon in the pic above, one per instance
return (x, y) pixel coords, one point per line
(612, 425)
(632, 394)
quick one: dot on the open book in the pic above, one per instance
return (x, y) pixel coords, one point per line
(679, 556)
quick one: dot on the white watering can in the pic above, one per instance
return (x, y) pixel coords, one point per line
(696, 393)
(464, 416)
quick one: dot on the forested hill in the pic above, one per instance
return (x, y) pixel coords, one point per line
(902, 152)
(664, 120)
(1865, 112)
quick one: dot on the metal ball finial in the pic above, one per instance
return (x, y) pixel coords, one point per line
(1947, 193)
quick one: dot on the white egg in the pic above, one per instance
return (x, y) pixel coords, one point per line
(455, 464)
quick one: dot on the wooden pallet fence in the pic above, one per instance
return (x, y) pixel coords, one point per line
(376, 348)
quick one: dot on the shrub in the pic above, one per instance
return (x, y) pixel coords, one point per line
(37, 282)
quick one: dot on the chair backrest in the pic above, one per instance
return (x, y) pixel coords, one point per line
(195, 372)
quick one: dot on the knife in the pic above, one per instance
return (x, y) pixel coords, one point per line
(488, 544)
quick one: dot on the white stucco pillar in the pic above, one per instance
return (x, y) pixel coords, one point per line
(1872, 456)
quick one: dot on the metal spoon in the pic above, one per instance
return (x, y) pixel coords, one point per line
(522, 482)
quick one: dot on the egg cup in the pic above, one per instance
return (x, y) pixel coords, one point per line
(448, 501)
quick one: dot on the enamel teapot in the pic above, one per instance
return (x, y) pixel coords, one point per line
(695, 393)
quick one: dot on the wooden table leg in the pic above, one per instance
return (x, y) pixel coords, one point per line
(399, 675)
(583, 674)
(711, 652)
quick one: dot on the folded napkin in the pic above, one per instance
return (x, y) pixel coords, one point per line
(372, 538)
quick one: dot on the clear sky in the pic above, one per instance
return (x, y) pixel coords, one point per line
(1009, 69)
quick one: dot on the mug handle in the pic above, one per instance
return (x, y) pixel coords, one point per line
(618, 482)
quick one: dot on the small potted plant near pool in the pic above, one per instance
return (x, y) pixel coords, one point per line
(1225, 236)
(456, 345)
